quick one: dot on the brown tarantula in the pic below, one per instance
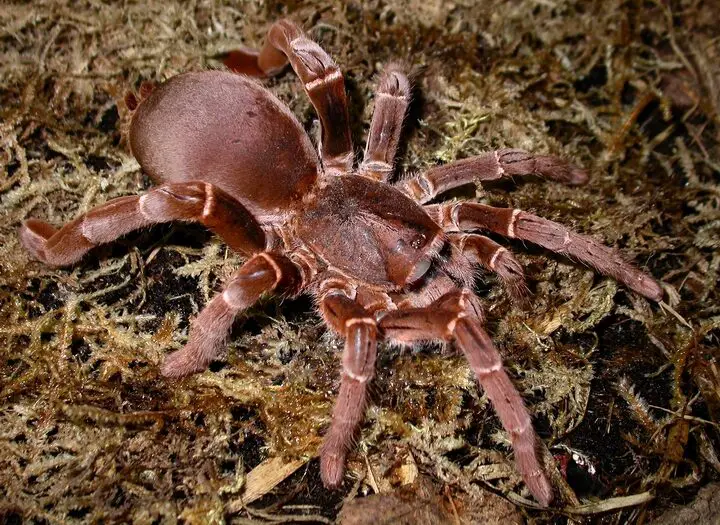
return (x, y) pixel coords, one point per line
(380, 261)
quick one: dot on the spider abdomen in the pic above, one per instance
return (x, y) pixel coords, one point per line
(228, 130)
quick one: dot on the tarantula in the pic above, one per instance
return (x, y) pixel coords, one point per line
(381, 262)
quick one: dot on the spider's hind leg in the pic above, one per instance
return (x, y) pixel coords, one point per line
(321, 77)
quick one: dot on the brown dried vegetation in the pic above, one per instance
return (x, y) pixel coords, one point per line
(625, 394)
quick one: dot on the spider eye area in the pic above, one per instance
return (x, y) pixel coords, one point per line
(419, 271)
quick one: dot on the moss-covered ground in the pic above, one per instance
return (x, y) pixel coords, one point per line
(625, 393)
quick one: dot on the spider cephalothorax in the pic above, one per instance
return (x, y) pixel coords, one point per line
(380, 261)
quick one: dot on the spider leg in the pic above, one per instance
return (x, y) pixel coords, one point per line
(455, 317)
(321, 77)
(498, 259)
(518, 224)
(392, 99)
(490, 166)
(189, 201)
(262, 273)
(358, 326)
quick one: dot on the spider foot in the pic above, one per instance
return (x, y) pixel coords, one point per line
(332, 468)
(556, 168)
(183, 362)
(534, 477)
(206, 341)
(512, 162)
(34, 235)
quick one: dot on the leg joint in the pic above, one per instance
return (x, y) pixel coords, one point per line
(451, 325)
(276, 268)
(209, 205)
(494, 257)
(360, 378)
(328, 77)
(511, 224)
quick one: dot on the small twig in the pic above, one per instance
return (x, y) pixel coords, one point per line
(619, 138)
(658, 371)
(685, 416)
(371, 476)
(677, 316)
(537, 336)
(610, 414)
(263, 478)
(287, 518)
(607, 505)
(452, 505)
(519, 500)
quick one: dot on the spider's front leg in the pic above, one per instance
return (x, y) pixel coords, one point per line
(262, 273)
(490, 166)
(358, 326)
(456, 316)
(518, 224)
(186, 201)
(321, 77)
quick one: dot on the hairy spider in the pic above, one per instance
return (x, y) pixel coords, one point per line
(379, 260)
